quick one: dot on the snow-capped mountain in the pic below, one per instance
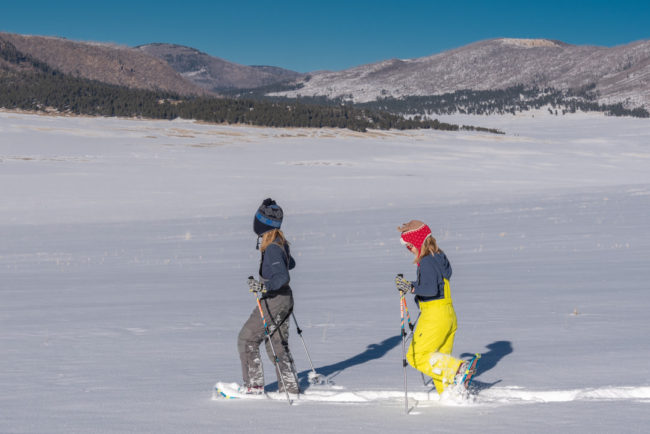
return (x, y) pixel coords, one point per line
(213, 73)
(621, 74)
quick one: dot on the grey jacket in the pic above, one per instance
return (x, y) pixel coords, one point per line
(275, 265)
(432, 271)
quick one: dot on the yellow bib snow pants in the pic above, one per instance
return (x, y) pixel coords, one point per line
(433, 340)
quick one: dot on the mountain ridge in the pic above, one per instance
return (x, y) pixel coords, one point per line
(214, 73)
(104, 62)
(615, 75)
(621, 74)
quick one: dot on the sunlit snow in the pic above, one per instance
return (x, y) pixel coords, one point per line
(126, 245)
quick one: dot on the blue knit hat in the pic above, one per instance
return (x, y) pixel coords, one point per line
(268, 217)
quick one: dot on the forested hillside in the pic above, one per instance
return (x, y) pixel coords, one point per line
(29, 84)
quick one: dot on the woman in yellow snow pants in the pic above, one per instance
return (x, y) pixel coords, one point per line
(433, 340)
(433, 337)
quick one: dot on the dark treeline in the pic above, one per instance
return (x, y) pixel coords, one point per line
(28, 84)
(502, 101)
(260, 93)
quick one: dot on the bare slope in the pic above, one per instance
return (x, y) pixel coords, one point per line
(107, 63)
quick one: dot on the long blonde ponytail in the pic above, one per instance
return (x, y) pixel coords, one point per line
(429, 247)
(269, 237)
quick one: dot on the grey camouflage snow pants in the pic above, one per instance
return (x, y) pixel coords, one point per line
(276, 311)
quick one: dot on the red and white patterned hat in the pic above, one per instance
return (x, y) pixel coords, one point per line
(414, 232)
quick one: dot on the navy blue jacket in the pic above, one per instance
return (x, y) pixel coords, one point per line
(275, 266)
(432, 271)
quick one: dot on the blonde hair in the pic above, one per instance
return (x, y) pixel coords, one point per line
(429, 247)
(269, 237)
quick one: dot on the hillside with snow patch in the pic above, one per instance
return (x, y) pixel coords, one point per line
(621, 74)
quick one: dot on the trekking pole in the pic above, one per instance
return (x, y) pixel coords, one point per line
(403, 314)
(314, 377)
(408, 317)
(412, 327)
(251, 284)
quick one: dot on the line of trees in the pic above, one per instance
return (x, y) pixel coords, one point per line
(501, 101)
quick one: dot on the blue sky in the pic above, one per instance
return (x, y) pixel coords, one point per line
(315, 35)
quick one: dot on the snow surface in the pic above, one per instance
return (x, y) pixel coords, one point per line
(126, 245)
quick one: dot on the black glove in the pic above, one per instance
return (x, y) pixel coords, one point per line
(403, 285)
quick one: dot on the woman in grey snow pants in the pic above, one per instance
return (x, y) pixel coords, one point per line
(277, 305)
(276, 311)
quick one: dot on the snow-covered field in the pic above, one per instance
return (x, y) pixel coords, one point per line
(125, 246)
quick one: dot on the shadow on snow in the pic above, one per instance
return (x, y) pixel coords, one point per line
(372, 352)
(497, 351)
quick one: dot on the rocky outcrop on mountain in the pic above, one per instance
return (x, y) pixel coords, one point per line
(107, 63)
(621, 74)
(214, 74)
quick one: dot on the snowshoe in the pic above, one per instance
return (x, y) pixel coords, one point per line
(466, 371)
